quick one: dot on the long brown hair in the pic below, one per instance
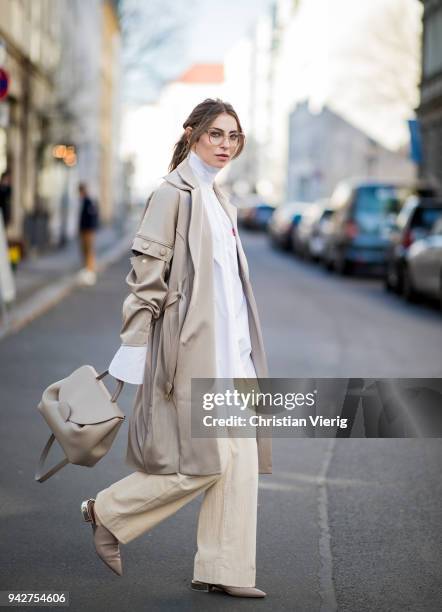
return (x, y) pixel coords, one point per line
(199, 120)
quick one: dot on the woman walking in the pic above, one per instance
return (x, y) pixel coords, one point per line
(191, 313)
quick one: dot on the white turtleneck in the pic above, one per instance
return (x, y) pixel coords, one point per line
(205, 173)
(232, 335)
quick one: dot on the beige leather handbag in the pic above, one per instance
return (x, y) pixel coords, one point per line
(83, 416)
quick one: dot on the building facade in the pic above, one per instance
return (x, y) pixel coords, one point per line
(324, 148)
(30, 41)
(430, 108)
(60, 121)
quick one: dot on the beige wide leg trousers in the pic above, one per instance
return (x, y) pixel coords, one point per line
(226, 535)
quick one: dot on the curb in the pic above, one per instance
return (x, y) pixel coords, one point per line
(47, 297)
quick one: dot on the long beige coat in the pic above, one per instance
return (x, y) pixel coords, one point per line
(171, 309)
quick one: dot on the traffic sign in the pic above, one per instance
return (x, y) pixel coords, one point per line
(4, 83)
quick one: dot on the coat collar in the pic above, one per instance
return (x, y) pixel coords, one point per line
(184, 178)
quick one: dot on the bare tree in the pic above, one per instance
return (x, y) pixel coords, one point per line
(152, 39)
(385, 55)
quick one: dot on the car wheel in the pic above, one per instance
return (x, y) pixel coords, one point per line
(389, 284)
(408, 290)
(342, 265)
(287, 245)
(440, 292)
(327, 263)
(399, 278)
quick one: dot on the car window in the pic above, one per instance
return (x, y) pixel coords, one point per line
(406, 211)
(341, 195)
(325, 217)
(425, 217)
(373, 204)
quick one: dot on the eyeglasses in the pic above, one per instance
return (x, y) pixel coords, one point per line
(216, 137)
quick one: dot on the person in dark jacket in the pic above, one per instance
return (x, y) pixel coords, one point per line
(5, 197)
(88, 225)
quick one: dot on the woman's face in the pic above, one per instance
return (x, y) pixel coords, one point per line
(217, 155)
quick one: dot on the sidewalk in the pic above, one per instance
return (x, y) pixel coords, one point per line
(44, 280)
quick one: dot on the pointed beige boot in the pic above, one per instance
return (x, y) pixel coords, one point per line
(207, 587)
(106, 544)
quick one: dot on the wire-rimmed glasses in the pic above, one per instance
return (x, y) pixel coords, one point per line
(217, 136)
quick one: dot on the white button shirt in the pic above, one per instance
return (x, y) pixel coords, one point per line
(232, 335)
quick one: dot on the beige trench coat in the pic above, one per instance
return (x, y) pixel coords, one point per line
(171, 309)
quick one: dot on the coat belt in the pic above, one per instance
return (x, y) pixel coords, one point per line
(172, 297)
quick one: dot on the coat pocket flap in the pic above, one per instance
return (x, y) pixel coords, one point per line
(147, 246)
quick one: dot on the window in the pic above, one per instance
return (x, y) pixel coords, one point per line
(373, 204)
(426, 217)
(433, 43)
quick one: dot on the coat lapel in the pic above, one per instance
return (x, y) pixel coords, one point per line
(199, 241)
(184, 172)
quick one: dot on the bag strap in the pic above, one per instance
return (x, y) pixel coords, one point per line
(39, 477)
(120, 385)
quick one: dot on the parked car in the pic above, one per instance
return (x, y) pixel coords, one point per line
(364, 211)
(313, 229)
(320, 233)
(413, 223)
(422, 273)
(418, 258)
(300, 238)
(255, 216)
(284, 218)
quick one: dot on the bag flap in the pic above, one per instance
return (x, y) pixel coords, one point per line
(88, 398)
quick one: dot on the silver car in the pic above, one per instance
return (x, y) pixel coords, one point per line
(285, 217)
(423, 269)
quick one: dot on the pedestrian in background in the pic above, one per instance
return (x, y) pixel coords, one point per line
(192, 313)
(88, 225)
(5, 197)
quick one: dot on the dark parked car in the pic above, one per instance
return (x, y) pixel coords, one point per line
(285, 217)
(360, 224)
(413, 224)
(255, 216)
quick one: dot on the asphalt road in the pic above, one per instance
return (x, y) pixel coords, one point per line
(353, 525)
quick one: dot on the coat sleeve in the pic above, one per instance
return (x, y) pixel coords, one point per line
(153, 248)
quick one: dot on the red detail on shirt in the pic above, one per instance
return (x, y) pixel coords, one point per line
(233, 231)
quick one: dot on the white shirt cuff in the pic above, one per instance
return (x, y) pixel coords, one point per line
(128, 364)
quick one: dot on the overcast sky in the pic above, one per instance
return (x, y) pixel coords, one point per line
(206, 29)
(218, 24)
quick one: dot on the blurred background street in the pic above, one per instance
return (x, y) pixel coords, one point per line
(339, 197)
